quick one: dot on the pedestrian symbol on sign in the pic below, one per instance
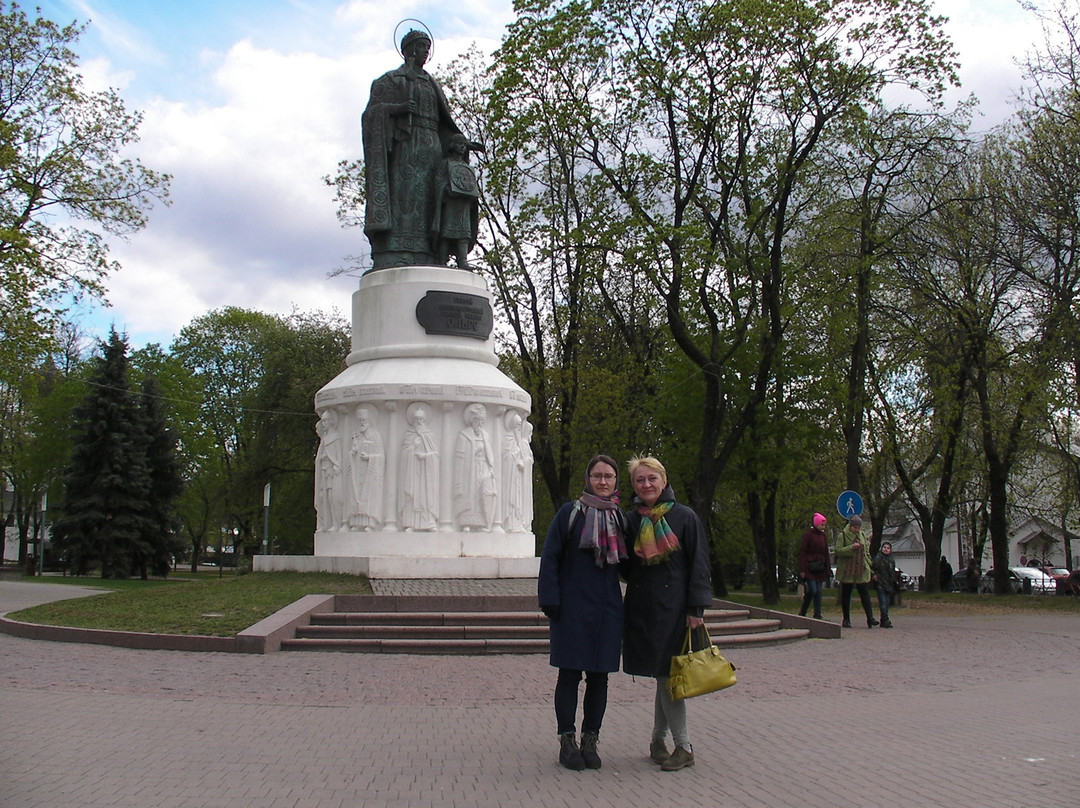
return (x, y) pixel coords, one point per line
(849, 504)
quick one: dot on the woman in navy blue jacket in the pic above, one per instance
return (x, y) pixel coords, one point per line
(579, 591)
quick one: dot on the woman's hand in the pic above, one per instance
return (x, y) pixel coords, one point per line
(694, 622)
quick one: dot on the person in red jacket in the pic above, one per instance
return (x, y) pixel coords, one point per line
(814, 568)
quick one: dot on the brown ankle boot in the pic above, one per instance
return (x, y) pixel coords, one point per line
(680, 759)
(658, 751)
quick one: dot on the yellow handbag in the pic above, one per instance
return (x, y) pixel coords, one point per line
(694, 673)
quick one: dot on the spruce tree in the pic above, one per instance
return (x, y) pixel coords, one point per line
(166, 483)
(106, 519)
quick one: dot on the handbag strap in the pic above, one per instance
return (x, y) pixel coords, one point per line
(688, 642)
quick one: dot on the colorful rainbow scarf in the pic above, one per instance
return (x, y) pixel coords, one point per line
(655, 540)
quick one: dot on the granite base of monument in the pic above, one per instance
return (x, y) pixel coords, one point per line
(424, 468)
(390, 567)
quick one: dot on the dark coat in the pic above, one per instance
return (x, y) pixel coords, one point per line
(815, 547)
(884, 567)
(588, 632)
(660, 596)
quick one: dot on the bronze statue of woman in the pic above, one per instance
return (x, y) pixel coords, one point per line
(406, 130)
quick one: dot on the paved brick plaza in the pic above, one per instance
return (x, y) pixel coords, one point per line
(941, 711)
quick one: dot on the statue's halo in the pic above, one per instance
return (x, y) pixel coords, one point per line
(398, 35)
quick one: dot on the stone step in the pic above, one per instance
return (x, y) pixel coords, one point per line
(440, 627)
(492, 625)
(472, 618)
(328, 633)
(477, 623)
(422, 632)
(497, 645)
(420, 646)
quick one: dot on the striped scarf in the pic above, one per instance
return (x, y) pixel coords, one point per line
(602, 532)
(655, 540)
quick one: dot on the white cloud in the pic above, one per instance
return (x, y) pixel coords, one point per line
(249, 126)
(252, 224)
(991, 37)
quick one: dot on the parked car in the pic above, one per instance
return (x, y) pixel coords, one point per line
(1071, 585)
(1057, 573)
(1022, 580)
(1041, 583)
(959, 582)
(986, 583)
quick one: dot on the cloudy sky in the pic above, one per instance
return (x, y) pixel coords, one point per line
(250, 103)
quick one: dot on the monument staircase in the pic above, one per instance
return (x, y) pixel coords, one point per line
(504, 624)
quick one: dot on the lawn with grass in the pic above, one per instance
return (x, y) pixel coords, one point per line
(220, 605)
(207, 604)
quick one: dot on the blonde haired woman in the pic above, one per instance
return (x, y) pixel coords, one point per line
(668, 589)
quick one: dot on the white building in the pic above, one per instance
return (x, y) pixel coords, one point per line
(1031, 538)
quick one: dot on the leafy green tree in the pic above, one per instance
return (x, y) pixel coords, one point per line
(64, 186)
(254, 377)
(1035, 182)
(225, 352)
(887, 172)
(65, 190)
(1005, 301)
(105, 517)
(698, 124)
(300, 359)
(38, 444)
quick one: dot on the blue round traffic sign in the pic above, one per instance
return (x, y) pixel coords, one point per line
(849, 504)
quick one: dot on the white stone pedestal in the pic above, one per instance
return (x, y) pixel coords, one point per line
(424, 468)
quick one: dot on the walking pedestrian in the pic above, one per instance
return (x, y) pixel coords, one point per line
(814, 568)
(884, 569)
(853, 570)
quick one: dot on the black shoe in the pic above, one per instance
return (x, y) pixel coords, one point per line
(818, 617)
(569, 754)
(886, 623)
(588, 750)
(846, 624)
(871, 622)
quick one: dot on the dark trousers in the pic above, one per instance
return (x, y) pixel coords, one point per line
(864, 596)
(814, 591)
(566, 699)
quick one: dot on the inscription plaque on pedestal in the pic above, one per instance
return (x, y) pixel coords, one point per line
(455, 314)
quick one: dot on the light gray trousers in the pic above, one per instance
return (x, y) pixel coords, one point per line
(669, 715)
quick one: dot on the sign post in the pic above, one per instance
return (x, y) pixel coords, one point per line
(41, 545)
(266, 519)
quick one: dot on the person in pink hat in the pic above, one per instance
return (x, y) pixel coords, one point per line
(814, 569)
